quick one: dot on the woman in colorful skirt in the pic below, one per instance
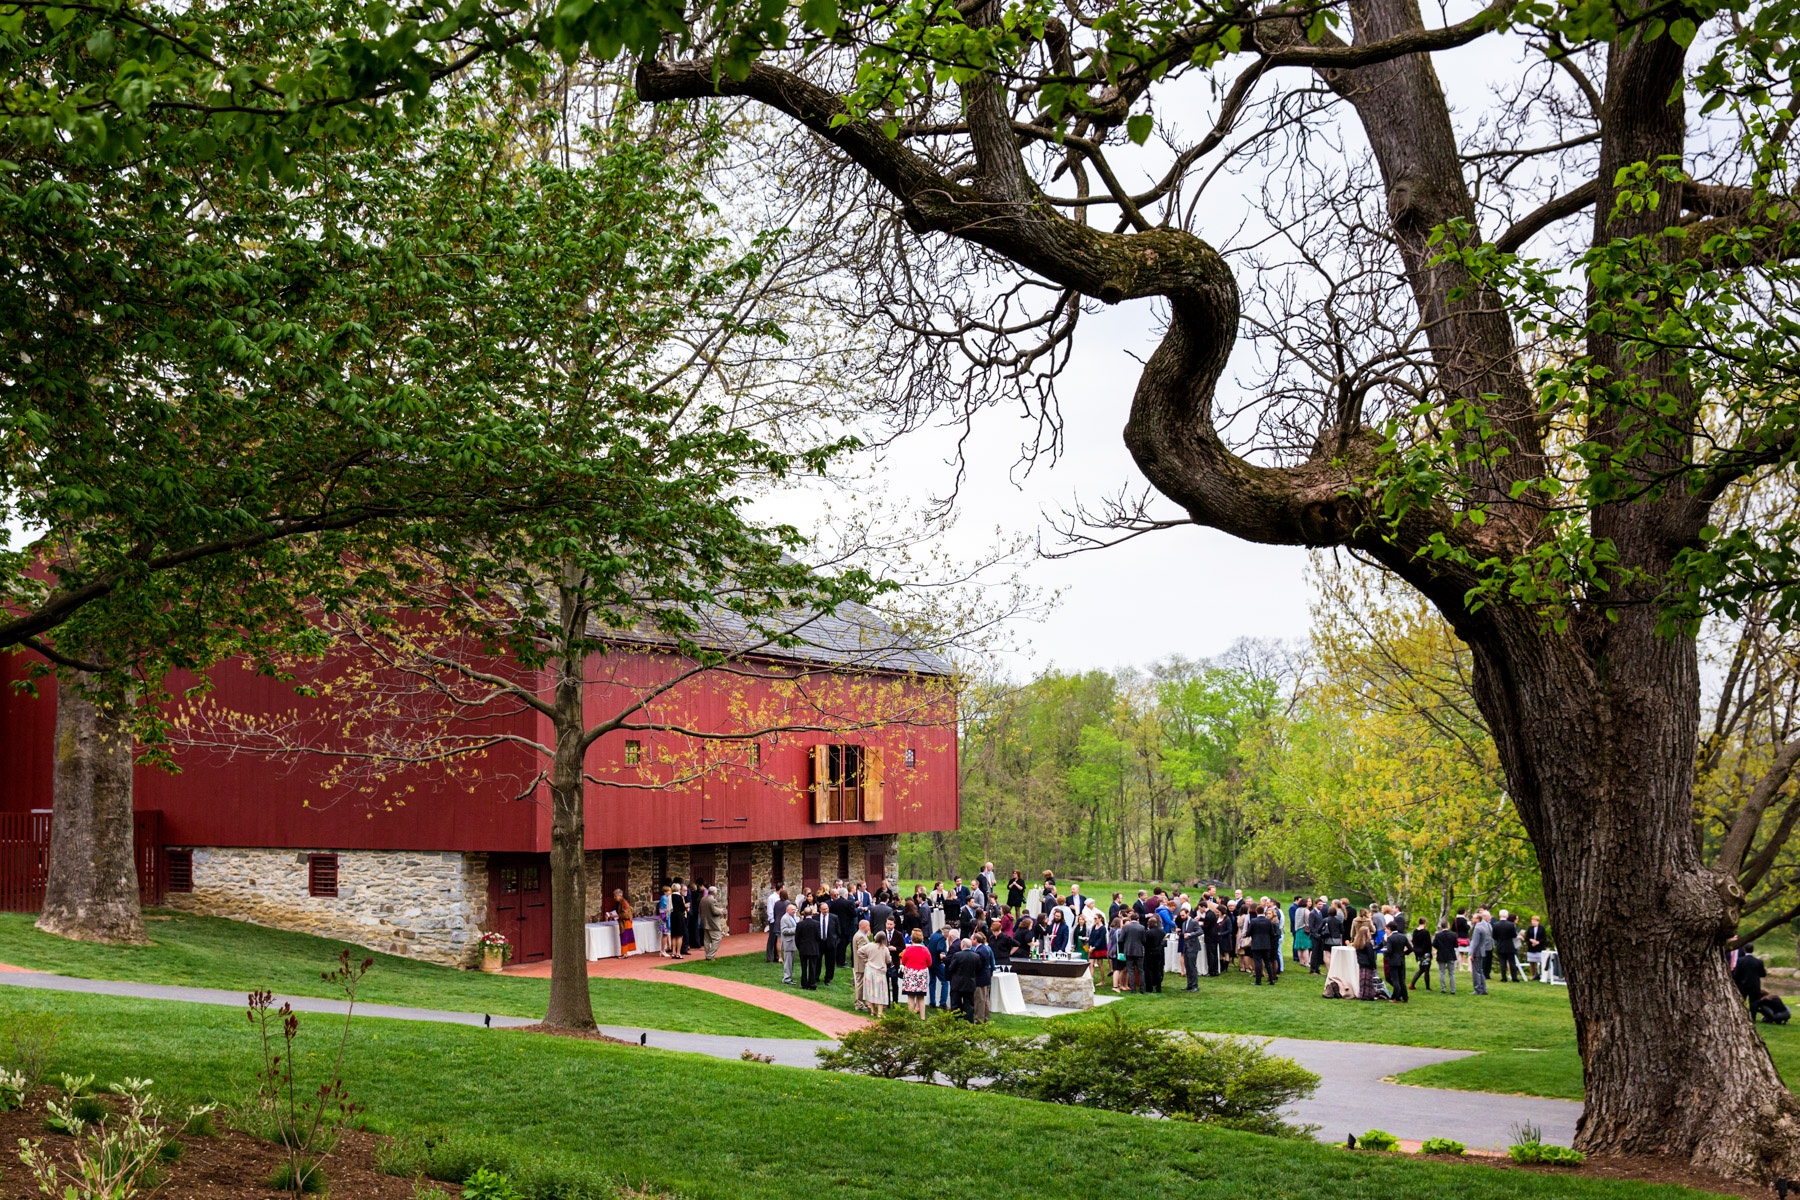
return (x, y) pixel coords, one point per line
(1302, 939)
(875, 977)
(627, 939)
(915, 973)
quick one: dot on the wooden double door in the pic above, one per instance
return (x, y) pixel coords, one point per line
(519, 903)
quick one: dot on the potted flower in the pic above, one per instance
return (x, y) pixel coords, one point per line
(495, 950)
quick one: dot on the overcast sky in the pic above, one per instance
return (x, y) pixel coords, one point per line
(1188, 591)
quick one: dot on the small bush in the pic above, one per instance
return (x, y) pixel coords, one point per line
(1546, 1153)
(1378, 1139)
(75, 1114)
(299, 1175)
(422, 1191)
(27, 1040)
(891, 1048)
(402, 1156)
(489, 1185)
(200, 1124)
(1441, 1146)
(172, 1150)
(13, 1089)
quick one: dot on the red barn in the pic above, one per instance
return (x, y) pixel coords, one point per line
(424, 861)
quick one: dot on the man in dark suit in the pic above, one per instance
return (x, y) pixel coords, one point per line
(1262, 945)
(1131, 941)
(843, 924)
(880, 913)
(809, 942)
(1506, 948)
(1747, 973)
(1191, 931)
(964, 969)
(1443, 944)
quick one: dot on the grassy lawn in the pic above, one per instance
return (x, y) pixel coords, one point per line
(1525, 1029)
(575, 1119)
(197, 951)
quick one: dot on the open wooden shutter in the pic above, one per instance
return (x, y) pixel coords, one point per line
(874, 784)
(821, 783)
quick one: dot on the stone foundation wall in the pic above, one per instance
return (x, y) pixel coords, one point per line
(1058, 993)
(423, 904)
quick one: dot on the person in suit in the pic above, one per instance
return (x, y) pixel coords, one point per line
(1329, 937)
(1481, 944)
(777, 904)
(1506, 949)
(1444, 943)
(880, 912)
(790, 950)
(939, 994)
(696, 929)
(1155, 938)
(809, 944)
(1131, 940)
(712, 923)
(1537, 940)
(1262, 945)
(964, 970)
(1191, 931)
(1210, 922)
(1748, 973)
(1421, 948)
(843, 912)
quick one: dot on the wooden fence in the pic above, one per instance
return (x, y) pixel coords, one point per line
(25, 858)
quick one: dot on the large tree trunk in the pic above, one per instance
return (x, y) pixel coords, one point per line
(91, 891)
(1597, 741)
(571, 1007)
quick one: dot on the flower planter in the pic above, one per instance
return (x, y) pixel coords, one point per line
(492, 961)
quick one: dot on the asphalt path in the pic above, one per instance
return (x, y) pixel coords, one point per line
(1353, 1094)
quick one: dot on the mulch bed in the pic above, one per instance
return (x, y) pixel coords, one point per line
(1643, 1170)
(229, 1166)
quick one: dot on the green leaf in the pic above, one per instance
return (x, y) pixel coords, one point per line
(1139, 126)
(1681, 31)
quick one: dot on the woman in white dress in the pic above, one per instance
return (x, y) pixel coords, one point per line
(875, 976)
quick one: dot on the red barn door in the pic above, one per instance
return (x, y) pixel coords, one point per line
(519, 903)
(738, 898)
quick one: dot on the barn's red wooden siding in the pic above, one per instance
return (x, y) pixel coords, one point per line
(252, 801)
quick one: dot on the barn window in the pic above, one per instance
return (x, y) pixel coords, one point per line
(912, 758)
(846, 784)
(634, 750)
(321, 874)
(755, 754)
(181, 870)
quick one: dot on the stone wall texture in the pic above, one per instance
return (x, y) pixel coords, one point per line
(423, 904)
(1058, 993)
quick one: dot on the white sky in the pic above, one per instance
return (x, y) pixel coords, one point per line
(1189, 590)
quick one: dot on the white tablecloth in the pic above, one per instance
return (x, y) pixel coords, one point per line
(1172, 955)
(1034, 905)
(1342, 970)
(1005, 996)
(937, 919)
(603, 938)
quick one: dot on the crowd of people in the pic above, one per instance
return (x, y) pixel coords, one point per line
(940, 946)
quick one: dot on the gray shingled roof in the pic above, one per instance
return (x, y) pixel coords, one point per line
(851, 635)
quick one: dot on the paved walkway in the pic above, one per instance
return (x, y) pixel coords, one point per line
(1351, 1096)
(832, 1022)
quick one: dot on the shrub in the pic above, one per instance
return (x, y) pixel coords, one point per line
(488, 1185)
(422, 1191)
(1441, 1146)
(113, 1159)
(27, 1040)
(303, 1175)
(1231, 1082)
(891, 1048)
(1378, 1139)
(1546, 1153)
(13, 1089)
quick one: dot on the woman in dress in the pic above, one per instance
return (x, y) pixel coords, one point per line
(910, 919)
(1117, 952)
(1302, 939)
(1099, 948)
(1015, 892)
(875, 975)
(915, 973)
(1364, 941)
(627, 939)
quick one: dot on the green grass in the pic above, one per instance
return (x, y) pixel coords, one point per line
(561, 1114)
(196, 951)
(1554, 1073)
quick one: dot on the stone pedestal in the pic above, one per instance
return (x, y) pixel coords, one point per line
(1056, 992)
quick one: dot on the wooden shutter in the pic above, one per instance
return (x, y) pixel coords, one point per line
(874, 784)
(821, 784)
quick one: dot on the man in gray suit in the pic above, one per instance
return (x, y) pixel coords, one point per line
(1481, 944)
(879, 913)
(712, 923)
(790, 921)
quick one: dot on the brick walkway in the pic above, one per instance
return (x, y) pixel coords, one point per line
(832, 1022)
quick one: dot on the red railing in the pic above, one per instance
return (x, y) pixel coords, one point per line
(25, 858)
